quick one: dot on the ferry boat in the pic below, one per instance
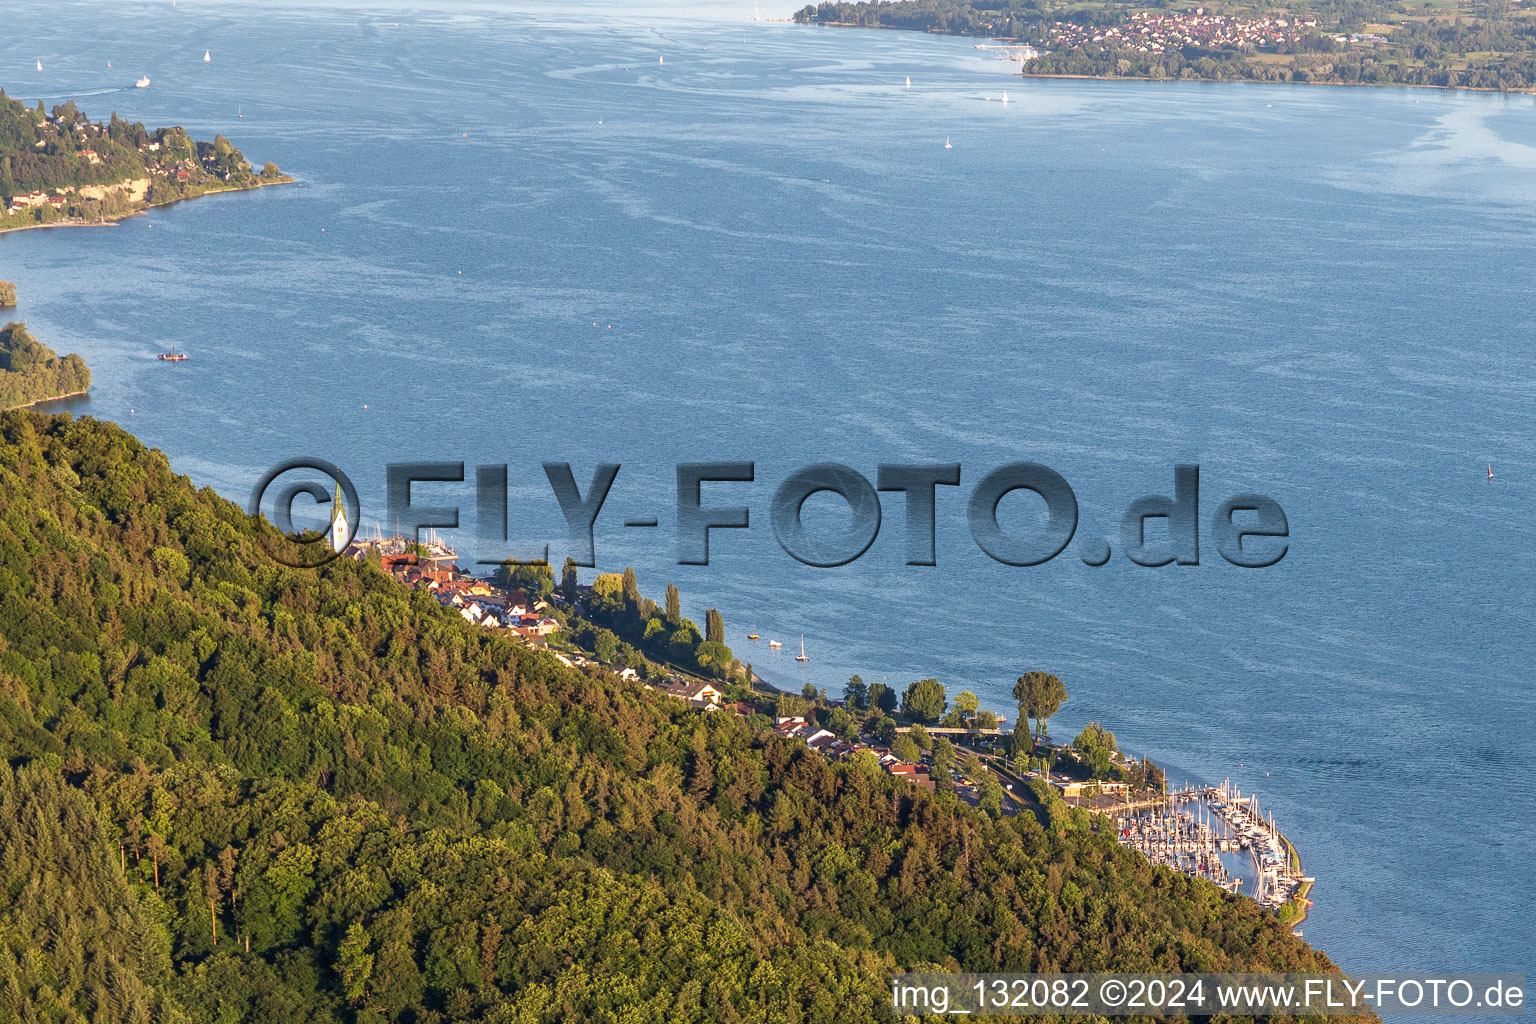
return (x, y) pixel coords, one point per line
(142, 83)
(172, 356)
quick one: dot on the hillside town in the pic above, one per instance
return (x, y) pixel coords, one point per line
(973, 755)
(536, 621)
(431, 567)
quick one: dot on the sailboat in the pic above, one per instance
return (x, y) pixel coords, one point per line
(802, 656)
(1005, 97)
(661, 60)
(239, 110)
(207, 56)
(946, 143)
(754, 634)
(1490, 471)
(909, 81)
(39, 65)
(142, 83)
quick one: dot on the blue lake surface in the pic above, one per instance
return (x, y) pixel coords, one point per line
(1319, 294)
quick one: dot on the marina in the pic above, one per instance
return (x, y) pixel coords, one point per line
(1220, 834)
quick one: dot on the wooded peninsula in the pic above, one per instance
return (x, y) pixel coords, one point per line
(60, 167)
(1484, 44)
(31, 372)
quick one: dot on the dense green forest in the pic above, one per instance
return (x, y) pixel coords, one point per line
(31, 371)
(234, 791)
(1483, 45)
(61, 152)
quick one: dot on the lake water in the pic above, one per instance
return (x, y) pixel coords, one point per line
(1317, 294)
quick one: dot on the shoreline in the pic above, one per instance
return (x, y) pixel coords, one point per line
(113, 221)
(1256, 81)
(50, 398)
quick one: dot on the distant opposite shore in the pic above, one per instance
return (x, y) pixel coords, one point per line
(1484, 45)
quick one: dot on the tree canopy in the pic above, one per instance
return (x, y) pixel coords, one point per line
(1040, 695)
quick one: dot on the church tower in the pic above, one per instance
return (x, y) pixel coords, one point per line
(341, 533)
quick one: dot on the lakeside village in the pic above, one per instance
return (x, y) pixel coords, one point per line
(1216, 833)
(93, 172)
(1174, 31)
(1163, 31)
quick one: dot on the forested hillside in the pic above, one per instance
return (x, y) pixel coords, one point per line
(31, 371)
(240, 792)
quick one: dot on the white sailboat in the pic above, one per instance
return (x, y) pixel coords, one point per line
(946, 143)
(142, 83)
(1005, 97)
(909, 81)
(207, 56)
(802, 656)
(661, 60)
(39, 65)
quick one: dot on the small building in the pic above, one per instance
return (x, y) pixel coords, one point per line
(1071, 789)
(695, 692)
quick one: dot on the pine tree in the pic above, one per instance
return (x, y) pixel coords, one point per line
(674, 606)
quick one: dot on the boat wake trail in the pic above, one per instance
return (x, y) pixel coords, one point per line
(93, 92)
